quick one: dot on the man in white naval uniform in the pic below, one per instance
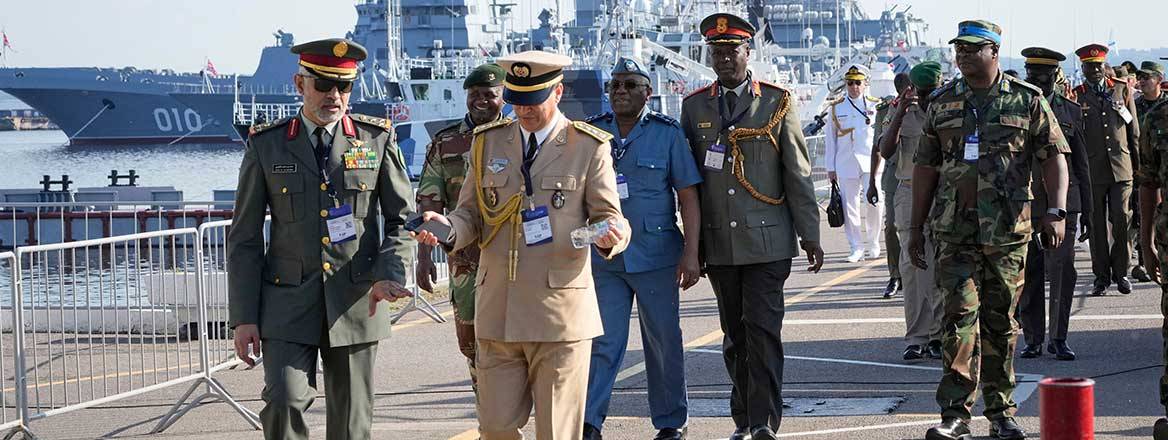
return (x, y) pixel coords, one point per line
(847, 159)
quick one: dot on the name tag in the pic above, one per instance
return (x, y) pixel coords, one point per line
(622, 186)
(1126, 115)
(537, 227)
(714, 157)
(971, 148)
(342, 226)
(284, 168)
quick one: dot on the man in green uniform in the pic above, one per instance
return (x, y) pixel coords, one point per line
(1149, 77)
(317, 288)
(1152, 177)
(888, 184)
(757, 200)
(982, 135)
(442, 179)
(1112, 134)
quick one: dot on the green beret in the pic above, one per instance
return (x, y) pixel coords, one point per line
(485, 75)
(926, 75)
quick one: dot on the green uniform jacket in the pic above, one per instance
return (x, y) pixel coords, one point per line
(738, 229)
(303, 289)
(987, 201)
(1070, 120)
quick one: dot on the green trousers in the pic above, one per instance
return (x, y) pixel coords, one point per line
(290, 388)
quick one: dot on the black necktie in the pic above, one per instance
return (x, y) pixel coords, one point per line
(321, 149)
(532, 148)
(731, 101)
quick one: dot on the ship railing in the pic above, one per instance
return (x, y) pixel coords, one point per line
(97, 321)
(249, 113)
(25, 224)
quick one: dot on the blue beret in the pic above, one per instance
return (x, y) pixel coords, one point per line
(629, 65)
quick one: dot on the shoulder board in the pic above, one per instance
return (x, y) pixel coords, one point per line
(836, 101)
(383, 124)
(1024, 84)
(872, 99)
(885, 102)
(500, 123)
(664, 118)
(944, 88)
(260, 128)
(1065, 100)
(773, 85)
(594, 118)
(598, 134)
(699, 91)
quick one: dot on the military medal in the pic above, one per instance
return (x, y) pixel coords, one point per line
(491, 196)
(558, 199)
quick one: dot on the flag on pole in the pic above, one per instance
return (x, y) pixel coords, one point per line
(6, 44)
(211, 68)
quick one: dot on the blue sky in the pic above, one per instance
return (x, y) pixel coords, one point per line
(180, 34)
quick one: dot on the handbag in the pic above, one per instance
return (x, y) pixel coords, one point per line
(835, 207)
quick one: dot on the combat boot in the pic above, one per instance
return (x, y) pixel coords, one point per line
(951, 428)
(1160, 431)
(1006, 429)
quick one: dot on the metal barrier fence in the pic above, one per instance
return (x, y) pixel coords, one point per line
(96, 321)
(27, 224)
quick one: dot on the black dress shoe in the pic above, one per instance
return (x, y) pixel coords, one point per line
(951, 428)
(913, 352)
(1100, 288)
(1123, 285)
(742, 433)
(1006, 429)
(1139, 274)
(591, 432)
(893, 287)
(1160, 430)
(1031, 351)
(762, 432)
(671, 434)
(1060, 350)
(933, 350)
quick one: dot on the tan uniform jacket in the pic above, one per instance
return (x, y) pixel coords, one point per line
(303, 289)
(552, 298)
(1111, 143)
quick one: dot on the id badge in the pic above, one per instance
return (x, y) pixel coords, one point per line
(714, 157)
(341, 225)
(622, 186)
(971, 148)
(1126, 115)
(537, 227)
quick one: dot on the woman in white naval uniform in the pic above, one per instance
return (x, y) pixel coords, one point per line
(847, 159)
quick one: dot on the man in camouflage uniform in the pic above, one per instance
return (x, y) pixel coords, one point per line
(888, 184)
(982, 135)
(1152, 98)
(1151, 177)
(442, 178)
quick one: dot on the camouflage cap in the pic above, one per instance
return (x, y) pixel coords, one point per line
(926, 75)
(978, 32)
(1151, 68)
(489, 74)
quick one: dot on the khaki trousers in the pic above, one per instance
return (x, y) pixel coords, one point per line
(512, 376)
(923, 310)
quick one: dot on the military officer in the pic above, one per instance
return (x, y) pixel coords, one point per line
(532, 184)
(1058, 264)
(1149, 77)
(317, 288)
(847, 153)
(922, 304)
(1110, 127)
(887, 187)
(652, 161)
(1153, 180)
(442, 179)
(757, 199)
(982, 135)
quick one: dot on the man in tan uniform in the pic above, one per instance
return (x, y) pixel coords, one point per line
(530, 184)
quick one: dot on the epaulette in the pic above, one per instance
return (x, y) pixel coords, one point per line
(871, 98)
(260, 128)
(665, 118)
(1067, 100)
(383, 124)
(500, 123)
(589, 129)
(944, 88)
(607, 116)
(1024, 84)
(773, 85)
(836, 101)
(885, 103)
(699, 91)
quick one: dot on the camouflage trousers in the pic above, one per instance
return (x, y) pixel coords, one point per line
(462, 299)
(979, 287)
(1160, 236)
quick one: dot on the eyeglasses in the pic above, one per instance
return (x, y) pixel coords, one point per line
(855, 82)
(327, 85)
(969, 49)
(627, 85)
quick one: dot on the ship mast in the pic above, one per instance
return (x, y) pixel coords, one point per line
(393, 39)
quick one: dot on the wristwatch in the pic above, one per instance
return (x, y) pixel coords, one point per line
(1057, 212)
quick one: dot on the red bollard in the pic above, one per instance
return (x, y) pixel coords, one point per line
(1067, 408)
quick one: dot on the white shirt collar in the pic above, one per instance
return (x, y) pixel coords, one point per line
(543, 133)
(737, 90)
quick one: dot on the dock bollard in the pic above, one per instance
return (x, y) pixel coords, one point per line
(1067, 408)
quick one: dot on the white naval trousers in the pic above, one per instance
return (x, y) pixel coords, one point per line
(853, 190)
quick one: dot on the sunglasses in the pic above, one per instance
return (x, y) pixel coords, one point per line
(627, 85)
(970, 49)
(854, 82)
(327, 85)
